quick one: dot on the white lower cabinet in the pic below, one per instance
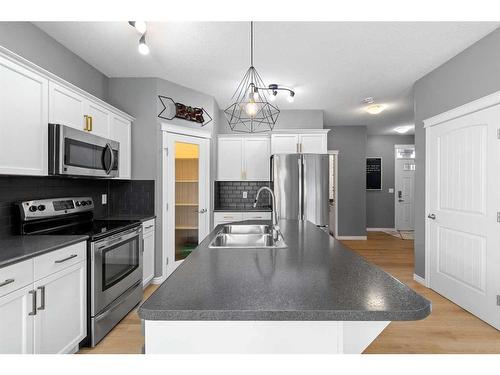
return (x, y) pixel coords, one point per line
(224, 217)
(61, 318)
(48, 315)
(148, 255)
(16, 323)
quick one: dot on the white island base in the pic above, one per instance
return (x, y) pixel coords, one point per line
(260, 337)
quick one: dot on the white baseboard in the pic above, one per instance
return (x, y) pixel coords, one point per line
(158, 280)
(420, 280)
(379, 229)
(351, 238)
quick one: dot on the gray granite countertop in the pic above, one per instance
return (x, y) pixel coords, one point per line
(236, 209)
(141, 218)
(315, 278)
(15, 249)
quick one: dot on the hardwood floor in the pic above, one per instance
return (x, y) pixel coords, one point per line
(449, 328)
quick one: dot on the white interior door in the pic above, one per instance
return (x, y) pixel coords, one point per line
(188, 195)
(404, 188)
(462, 227)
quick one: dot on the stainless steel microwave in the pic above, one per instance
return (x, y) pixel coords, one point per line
(74, 152)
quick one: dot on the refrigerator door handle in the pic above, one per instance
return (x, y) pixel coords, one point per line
(300, 162)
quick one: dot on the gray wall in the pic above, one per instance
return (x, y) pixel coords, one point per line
(380, 204)
(350, 141)
(30, 42)
(287, 119)
(139, 97)
(470, 75)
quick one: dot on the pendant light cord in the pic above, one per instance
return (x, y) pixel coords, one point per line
(251, 43)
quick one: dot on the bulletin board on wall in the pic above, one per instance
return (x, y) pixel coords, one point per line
(374, 173)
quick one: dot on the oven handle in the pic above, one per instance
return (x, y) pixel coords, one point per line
(117, 239)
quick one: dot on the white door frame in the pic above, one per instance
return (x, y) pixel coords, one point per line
(169, 129)
(395, 173)
(471, 107)
(336, 153)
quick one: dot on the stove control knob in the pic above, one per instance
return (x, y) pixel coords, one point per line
(77, 203)
(89, 202)
(84, 203)
(32, 208)
(41, 207)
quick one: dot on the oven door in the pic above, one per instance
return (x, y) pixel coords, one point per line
(116, 265)
(77, 153)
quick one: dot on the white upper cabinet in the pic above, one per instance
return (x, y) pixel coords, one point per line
(99, 119)
(23, 120)
(243, 158)
(120, 130)
(314, 142)
(31, 98)
(66, 107)
(284, 143)
(256, 158)
(230, 159)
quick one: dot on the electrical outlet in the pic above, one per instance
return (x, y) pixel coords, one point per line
(245, 195)
(104, 199)
(391, 190)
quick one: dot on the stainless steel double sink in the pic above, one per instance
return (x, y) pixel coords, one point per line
(248, 237)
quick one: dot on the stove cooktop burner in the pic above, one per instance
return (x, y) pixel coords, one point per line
(97, 228)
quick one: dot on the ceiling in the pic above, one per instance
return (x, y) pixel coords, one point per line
(331, 66)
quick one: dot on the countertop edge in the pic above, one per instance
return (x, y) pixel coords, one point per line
(310, 315)
(25, 257)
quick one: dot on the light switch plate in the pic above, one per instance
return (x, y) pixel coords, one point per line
(104, 199)
(391, 190)
(245, 195)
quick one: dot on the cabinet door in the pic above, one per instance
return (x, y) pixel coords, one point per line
(61, 319)
(120, 131)
(148, 260)
(66, 107)
(16, 323)
(230, 159)
(313, 143)
(256, 151)
(23, 120)
(284, 143)
(100, 118)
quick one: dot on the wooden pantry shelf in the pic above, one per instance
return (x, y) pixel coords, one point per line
(186, 228)
(186, 204)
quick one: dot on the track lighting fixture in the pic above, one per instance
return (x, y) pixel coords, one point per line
(140, 26)
(143, 47)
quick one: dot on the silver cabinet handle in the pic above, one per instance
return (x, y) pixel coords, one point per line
(7, 282)
(149, 226)
(202, 211)
(42, 298)
(65, 259)
(431, 216)
(33, 302)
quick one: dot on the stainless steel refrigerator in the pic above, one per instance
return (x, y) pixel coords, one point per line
(300, 184)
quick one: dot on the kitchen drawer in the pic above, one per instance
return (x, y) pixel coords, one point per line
(227, 217)
(59, 259)
(16, 276)
(262, 215)
(148, 226)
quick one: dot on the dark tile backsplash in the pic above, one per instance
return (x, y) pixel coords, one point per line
(229, 194)
(134, 197)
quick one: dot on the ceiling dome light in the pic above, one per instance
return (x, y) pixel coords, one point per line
(140, 26)
(143, 47)
(375, 109)
(403, 129)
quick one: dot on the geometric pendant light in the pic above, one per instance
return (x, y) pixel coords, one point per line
(251, 111)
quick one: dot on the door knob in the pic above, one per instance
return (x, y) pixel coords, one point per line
(431, 216)
(202, 211)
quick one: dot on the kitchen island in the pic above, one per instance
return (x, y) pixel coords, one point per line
(315, 296)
